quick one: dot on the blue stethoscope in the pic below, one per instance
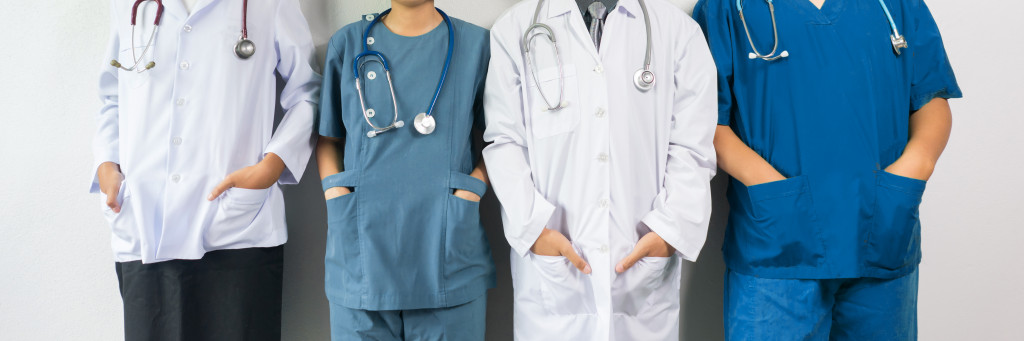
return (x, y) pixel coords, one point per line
(424, 122)
(898, 42)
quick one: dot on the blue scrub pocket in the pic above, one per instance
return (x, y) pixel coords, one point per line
(785, 232)
(343, 262)
(894, 241)
(465, 240)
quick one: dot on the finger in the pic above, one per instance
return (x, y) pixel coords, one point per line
(221, 187)
(576, 260)
(631, 259)
(112, 201)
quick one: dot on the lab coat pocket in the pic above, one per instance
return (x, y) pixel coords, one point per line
(122, 226)
(635, 289)
(786, 233)
(550, 83)
(236, 210)
(564, 289)
(134, 79)
(895, 238)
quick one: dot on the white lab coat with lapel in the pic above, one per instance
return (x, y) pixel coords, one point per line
(614, 165)
(178, 129)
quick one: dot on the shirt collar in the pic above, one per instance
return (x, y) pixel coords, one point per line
(558, 7)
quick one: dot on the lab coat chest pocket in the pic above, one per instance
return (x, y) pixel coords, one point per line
(551, 82)
(785, 233)
(134, 79)
(895, 238)
(564, 289)
(236, 210)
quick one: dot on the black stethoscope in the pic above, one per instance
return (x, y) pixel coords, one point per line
(244, 48)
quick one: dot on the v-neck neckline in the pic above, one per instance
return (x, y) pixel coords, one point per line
(826, 15)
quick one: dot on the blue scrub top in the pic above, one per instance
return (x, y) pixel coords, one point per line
(831, 117)
(401, 240)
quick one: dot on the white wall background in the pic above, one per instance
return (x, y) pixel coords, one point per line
(57, 278)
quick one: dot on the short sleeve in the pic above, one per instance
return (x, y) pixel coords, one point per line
(932, 75)
(331, 124)
(714, 21)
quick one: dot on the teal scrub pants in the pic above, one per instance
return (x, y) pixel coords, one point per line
(874, 309)
(463, 322)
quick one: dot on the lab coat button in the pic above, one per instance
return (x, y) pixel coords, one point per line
(603, 248)
(599, 69)
(603, 157)
(176, 141)
(603, 203)
(187, 28)
(181, 101)
(600, 112)
(175, 178)
(184, 65)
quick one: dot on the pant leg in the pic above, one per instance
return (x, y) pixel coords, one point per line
(876, 309)
(763, 309)
(152, 300)
(356, 324)
(465, 322)
(235, 295)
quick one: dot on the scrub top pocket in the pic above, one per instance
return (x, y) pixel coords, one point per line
(895, 239)
(564, 289)
(785, 233)
(544, 122)
(236, 210)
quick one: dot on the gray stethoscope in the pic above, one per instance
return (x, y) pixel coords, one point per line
(244, 48)
(643, 79)
(898, 41)
(424, 122)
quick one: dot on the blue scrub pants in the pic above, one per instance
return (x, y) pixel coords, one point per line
(464, 322)
(831, 309)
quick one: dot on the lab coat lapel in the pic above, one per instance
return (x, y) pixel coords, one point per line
(175, 8)
(579, 32)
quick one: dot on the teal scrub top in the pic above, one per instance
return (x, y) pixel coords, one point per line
(401, 240)
(830, 117)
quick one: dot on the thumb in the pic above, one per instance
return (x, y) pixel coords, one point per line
(112, 200)
(221, 187)
(631, 259)
(576, 260)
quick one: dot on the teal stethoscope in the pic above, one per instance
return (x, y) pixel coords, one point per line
(424, 122)
(898, 42)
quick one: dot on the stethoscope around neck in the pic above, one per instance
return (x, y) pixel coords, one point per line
(644, 78)
(243, 49)
(424, 121)
(898, 41)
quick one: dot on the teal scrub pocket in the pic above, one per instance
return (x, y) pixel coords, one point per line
(895, 238)
(344, 265)
(785, 231)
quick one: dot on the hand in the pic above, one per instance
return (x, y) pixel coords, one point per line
(769, 174)
(651, 245)
(912, 167)
(259, 176)
(335, 192)
(552, 243)
(467, 195)
(110, 177)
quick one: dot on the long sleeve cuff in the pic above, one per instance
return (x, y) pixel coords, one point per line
(293, 147)
(688, 247)
(529, 230)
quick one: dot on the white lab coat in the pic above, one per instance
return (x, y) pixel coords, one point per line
(614, 165)
(178, 129)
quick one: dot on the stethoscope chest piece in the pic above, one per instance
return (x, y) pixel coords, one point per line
(644, 79)
(425, 124)
(245, 48)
